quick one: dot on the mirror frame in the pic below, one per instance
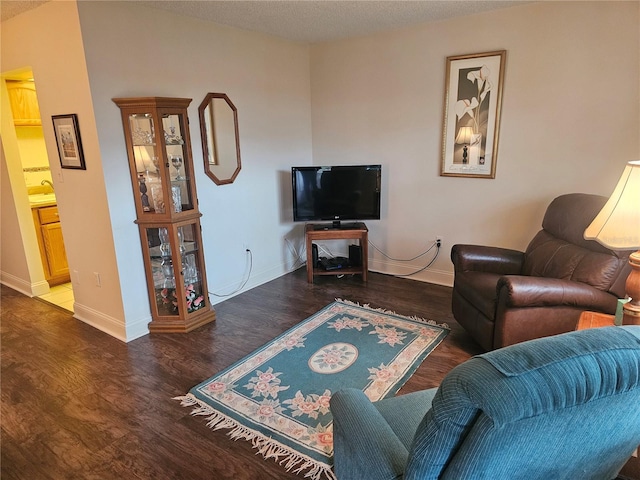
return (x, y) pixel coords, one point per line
(205, 144)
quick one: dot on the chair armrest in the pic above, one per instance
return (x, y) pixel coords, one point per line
(364, 445)
(525, 291)
(480, 258)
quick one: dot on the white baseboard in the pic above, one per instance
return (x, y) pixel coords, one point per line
(26, 288)
(438, 277)
(110, 325)
(256, 279)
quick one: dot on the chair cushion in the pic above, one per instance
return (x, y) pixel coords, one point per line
(560, 250)
(365, 446)
(551, 257)
(575, 368)
(568, 216)
(405, 412)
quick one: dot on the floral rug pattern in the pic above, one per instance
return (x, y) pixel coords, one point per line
(278, 396)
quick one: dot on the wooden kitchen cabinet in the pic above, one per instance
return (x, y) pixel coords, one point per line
(51, 244)
(54, 248)
(24, 103)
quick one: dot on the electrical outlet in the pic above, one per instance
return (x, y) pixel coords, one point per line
(96, 275)
(439, 240)
(246, 246)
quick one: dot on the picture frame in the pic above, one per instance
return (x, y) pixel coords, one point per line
(472, 105)
(67, 133)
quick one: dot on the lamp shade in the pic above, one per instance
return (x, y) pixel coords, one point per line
(617, 226)
(464, 136)
(143, 159)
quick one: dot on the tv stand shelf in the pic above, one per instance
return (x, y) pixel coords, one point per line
(356, 231)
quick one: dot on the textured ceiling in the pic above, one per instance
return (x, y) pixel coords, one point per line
(11, 8)
(308, 21)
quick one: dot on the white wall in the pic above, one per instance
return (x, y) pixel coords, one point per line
(86, 54)
(135, 51)
(47, 41)
(16, 266)
(570, 121)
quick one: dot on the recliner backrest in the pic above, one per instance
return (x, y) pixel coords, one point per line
(559, 250)
(559, 407)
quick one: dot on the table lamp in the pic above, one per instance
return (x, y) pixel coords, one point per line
(464, 138)
(617, 227)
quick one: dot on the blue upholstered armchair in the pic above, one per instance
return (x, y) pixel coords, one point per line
(561, 407)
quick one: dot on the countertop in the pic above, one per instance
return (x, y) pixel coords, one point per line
(42, 200)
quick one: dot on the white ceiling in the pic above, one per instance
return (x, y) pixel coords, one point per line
(308, 21)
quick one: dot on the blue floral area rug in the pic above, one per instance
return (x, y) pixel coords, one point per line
(278, 396)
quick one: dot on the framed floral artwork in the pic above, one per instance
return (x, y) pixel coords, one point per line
(68, 140)
(472, 101)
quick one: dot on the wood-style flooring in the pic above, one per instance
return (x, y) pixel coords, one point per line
(79, 404)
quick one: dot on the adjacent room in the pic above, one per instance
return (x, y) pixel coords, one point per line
(187, 186)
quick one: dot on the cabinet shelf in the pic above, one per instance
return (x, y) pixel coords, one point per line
(339, 271)
(189, 247)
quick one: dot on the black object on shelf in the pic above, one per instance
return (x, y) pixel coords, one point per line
(334, 263)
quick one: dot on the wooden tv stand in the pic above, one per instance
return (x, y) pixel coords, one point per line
(356, 231)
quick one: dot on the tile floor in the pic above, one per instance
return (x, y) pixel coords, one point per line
(61, 295)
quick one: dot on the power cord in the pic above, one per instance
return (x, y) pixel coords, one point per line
(243, 283)
(435, 244)
(298, 256)
(325, 249)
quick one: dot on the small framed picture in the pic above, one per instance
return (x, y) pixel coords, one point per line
(472, 102)
(68, 140)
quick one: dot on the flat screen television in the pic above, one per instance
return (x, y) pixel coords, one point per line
(336, 193)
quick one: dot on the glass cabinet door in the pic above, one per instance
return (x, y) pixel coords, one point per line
(175, 260)
(147, 162)
(191, 263)
(180, 176)
(162, 165)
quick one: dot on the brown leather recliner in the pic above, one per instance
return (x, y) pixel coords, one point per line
(503, 296)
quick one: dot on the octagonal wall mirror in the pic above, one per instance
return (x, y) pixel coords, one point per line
(220, 139)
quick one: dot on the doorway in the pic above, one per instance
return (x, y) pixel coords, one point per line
(60, 295)
(30, 156)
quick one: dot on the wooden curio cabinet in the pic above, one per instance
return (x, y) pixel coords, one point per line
(156, 132)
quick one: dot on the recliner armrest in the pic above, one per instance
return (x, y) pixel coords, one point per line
(365, 447)
(480, 258)
(525, 291)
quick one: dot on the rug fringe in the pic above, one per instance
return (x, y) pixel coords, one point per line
(391, 312)
(266, 446)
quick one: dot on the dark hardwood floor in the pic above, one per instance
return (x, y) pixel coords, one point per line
(79, 404)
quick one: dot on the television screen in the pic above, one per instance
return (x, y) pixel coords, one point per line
(345, 192)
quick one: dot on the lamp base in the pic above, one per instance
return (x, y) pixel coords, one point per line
(631, 309)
